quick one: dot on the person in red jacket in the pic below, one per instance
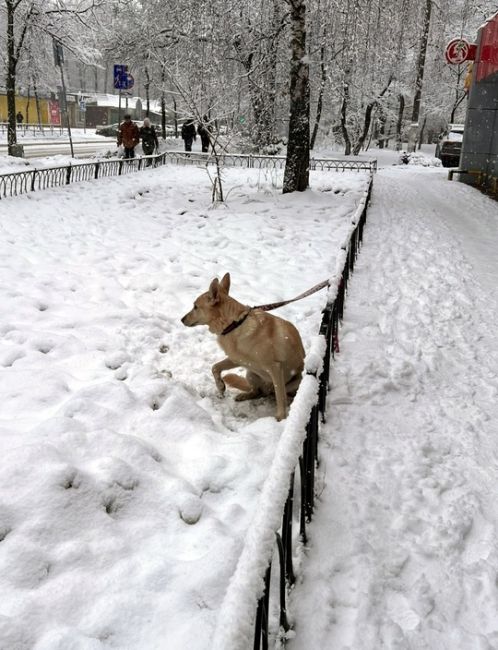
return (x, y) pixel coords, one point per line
(128, 136)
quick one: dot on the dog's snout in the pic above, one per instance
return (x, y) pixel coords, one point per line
(187, 319)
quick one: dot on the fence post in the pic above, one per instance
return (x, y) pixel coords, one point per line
(284, 623)
(287, 533)
(97, 165)
(263, 614)
(68, 174)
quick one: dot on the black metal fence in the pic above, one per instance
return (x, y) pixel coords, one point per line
(31, 180)
(34, 128)
(254, 609)
(332, 316)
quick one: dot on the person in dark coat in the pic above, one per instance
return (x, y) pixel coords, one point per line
(188, 133)
(204, 130)
(149, 139)
(19, 118)
(128, 136)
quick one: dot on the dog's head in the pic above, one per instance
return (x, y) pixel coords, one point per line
(208, 305)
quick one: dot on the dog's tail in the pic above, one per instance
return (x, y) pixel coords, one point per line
(236, 381)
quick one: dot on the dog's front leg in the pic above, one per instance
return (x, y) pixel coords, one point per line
(218, 368)
(277, 376)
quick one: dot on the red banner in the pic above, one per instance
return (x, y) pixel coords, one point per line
(488, 57)
(54, 114)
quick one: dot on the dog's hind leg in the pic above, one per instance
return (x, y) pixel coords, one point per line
(218, 368)
(251, 385)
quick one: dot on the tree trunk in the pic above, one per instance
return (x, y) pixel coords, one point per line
(27, 105)
(366, 127)
(296, 175)
(344, 128)
(176, 117)
(399, 123)
(381, 129)
(147, 91)
(368, 118)
(163, 103)
(37, 104)
(420, 67)
(321, 90)
(10, 81)
(421, 137)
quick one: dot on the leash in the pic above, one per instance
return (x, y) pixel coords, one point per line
(273, 305)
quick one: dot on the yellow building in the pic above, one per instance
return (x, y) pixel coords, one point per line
(27, 108)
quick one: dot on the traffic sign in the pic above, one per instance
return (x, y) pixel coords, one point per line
(123, 80)
(459, 50)
(82, 106)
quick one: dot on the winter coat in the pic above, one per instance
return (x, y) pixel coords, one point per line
(128, 135)
(203, 131)
(188, 131)
(149, 139)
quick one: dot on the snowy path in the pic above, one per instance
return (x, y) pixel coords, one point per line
(403, 549)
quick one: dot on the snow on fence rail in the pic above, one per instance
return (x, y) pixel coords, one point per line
(31, 180)
(244, 617)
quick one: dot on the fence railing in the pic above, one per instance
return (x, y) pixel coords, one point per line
(254, 161)
(30, 180)
(35, 128)
(254, 609)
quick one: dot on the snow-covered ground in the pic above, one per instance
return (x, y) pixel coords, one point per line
(126, 484)
(403, 550)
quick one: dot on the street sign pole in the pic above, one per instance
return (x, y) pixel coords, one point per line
(119, 109)
(59, 61)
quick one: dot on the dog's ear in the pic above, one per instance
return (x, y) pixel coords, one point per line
(225, 283)
(214, 292)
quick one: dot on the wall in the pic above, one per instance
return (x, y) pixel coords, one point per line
(480, 140)
(21, 105)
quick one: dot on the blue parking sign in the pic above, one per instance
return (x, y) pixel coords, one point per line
(120, 76)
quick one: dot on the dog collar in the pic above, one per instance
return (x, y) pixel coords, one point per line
(234, 324)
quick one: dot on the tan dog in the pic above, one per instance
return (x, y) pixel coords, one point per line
(269, 347)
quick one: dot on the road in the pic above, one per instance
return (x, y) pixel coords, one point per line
(82, 148)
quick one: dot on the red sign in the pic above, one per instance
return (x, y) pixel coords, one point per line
(53, 112)
(459, 50)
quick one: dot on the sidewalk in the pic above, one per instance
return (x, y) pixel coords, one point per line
(402, 550)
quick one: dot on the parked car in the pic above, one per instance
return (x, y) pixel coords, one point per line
(109, 130)
(449, 146)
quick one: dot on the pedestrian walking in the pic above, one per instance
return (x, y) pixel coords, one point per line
(188, 133)
(19, 118)
(149, 139)
(128, 136)
(204, 130)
